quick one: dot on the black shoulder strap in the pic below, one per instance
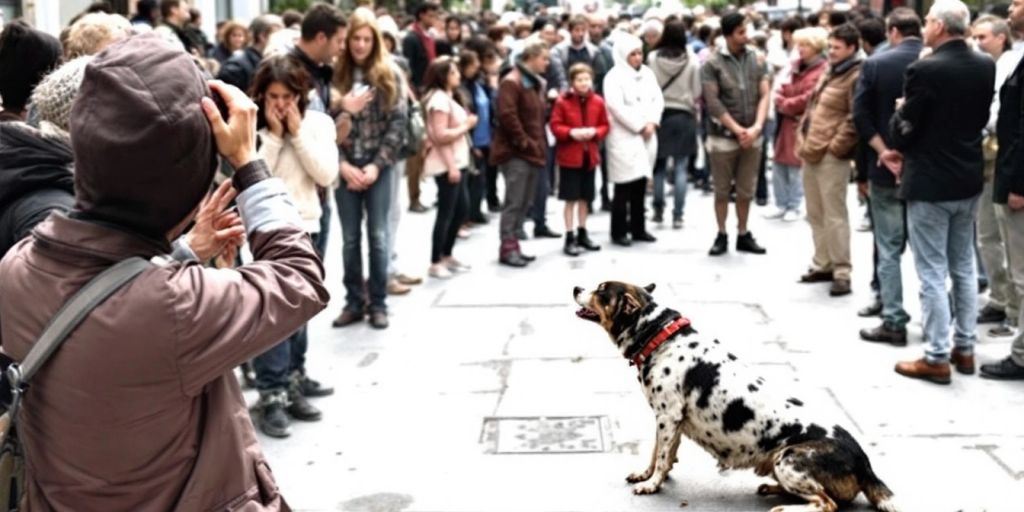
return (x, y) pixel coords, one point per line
(72, 313)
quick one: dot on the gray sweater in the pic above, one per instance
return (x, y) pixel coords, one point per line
(685, 90)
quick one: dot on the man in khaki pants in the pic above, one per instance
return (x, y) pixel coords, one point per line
(826, 140)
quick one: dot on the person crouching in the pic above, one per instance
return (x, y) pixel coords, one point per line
(579, 122)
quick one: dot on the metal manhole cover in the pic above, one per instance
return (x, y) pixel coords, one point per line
(568, 434)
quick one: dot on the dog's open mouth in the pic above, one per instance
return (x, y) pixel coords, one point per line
(588, 314)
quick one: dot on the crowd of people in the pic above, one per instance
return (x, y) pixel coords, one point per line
(923, 116)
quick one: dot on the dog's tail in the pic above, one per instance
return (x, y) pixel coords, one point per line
(878, 493)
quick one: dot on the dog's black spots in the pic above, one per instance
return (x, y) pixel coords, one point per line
(736, 415)
(760, 380)
(679, 387)
(647, 382)
(702, 376)
(724, 454)
(681, 358)
(714, 417)
(693, 344)
(661, 426)
(663, 405)
(768, 425)
(752, 388)
(814, 432)
(667, 371)
(708, 433)
(706, 351)
(658, 389)
(716, 342)
(795, 402)
(768, 443)
(731, 357)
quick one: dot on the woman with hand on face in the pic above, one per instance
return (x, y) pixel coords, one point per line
(447, 160)
(366, 75)
(298, 146)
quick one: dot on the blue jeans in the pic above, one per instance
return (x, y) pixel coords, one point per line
(679, 166)
(889, 222)
(375, 201)
(274, 367)
(942, 240)
(788, 186)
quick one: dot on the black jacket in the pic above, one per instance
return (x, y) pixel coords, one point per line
(240, 68)
(413, 50)
(321, 74)
(874, 101)
(35, 179)
(1009, 130)
(947, 97)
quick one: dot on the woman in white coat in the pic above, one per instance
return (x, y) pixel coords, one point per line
(634, 103)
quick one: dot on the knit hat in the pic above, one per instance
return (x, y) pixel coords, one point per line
(55, 95)
(144, 150)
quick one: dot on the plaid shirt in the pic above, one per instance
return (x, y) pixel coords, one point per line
(377, 133)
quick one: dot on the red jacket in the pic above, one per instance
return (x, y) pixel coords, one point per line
(790, 102)
(568, 113)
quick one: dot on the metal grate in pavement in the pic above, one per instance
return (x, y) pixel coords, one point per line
(525, 435)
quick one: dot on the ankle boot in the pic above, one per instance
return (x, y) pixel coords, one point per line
(570, 248)
(584, 241)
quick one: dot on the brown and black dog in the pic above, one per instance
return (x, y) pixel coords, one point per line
(700, 389)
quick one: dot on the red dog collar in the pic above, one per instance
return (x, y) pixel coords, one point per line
(669, 330)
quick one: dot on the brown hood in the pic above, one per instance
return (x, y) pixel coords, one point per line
(144, 151)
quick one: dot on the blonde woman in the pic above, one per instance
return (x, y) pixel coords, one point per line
(231, 38)
(367, 159)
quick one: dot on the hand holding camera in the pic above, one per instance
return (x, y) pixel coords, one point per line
(235, 135)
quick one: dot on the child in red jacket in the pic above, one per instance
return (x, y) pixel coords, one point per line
(579, 122)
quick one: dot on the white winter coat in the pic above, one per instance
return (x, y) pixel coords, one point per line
(633, 99)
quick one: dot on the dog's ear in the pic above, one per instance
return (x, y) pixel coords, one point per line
(629, 303)
(649, 288)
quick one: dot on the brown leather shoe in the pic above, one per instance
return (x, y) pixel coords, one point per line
(379, 320)
(397, 288)
(922, 369)
(963, 363)
(408, 280)
(816, 276)
(839, 288)
(347, 318)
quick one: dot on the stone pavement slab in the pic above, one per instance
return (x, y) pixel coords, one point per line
(497, 357)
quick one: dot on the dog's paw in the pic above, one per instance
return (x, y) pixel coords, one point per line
(639, 476)
(645, 488)
(769, 489)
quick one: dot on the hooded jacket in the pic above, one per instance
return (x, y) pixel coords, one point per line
(685, 88)
(35, 179)
(633, 99)
(139, 408)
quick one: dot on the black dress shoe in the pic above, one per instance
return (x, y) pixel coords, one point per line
(1003, 370)
(720, 246)
(839, 288)
(873, 309)
(514, 259)
(991, 315)
(584, 241)
(545, 232)
(644, 237)
(622, 241)
(885, 333)
(747, 243)
(309, 387)
(816, 276)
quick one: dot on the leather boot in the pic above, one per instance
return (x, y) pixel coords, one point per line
(584, 241)
(921, 369)
(570, 248)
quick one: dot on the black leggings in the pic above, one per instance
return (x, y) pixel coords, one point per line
(628, 208)
(452, 208)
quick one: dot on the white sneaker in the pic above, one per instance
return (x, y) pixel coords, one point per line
(457, 266)
(778, 214)
(791, 216)
(439, 271)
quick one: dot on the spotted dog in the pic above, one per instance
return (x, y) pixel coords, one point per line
(699, 389)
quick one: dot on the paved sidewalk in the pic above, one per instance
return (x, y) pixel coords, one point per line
(488, 394)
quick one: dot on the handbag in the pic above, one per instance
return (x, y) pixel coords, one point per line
(415, 130)
(16, 376)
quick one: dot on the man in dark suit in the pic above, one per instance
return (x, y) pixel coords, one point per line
(880, 83)
(936, 134)
(1008, 196)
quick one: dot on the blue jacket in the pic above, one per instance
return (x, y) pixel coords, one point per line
(874, 101)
